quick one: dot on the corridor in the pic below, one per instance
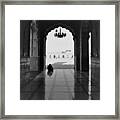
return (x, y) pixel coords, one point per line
(72, 47)
(63, 84)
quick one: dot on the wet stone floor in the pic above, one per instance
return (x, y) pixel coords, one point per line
(63, 84)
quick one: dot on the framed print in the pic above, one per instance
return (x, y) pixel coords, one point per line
(60, 59)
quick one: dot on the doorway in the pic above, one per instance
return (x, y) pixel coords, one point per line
(60, 54)
(60, 48)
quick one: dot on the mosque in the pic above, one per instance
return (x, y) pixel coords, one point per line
(72, 47)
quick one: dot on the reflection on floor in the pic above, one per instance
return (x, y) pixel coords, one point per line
(60, 86)
(63, 84)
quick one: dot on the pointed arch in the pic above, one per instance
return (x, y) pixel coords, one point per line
(60, 47)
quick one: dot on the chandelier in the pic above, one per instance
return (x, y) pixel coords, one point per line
(59, 34)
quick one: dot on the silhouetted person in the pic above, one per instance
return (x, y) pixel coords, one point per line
(50, 70)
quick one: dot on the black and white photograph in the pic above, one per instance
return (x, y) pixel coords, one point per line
(59, 59)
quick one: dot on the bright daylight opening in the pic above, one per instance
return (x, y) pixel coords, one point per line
(60, 48)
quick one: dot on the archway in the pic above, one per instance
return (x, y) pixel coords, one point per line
(60, 49)
(60, 53)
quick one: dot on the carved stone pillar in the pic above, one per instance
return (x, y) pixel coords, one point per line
(33, 47)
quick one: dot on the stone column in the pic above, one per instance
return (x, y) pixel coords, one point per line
(41, 61)
(85, 46)
(77, 54)
(24, 38)
(94, 53)
(25, 45)
(96, 39)
(33, 47)
(80, 48)
(77, 48)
